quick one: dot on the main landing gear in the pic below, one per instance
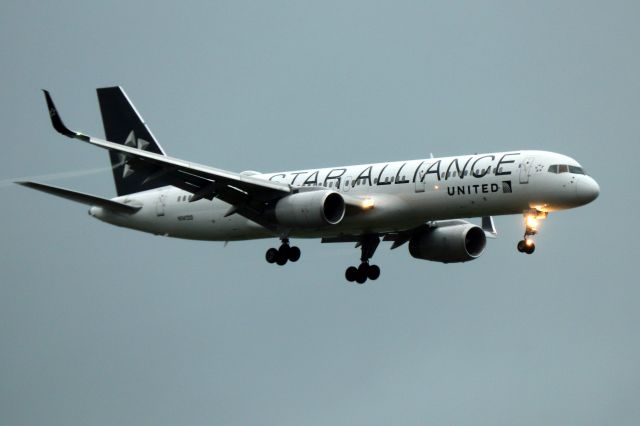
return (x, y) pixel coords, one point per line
(527, 245)
(365, 271)
(283, 254)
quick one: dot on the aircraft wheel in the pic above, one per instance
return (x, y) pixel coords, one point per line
(351, 273)
(271, 255)
(281, 260)
(363, 269)
(284, 251)
(294, 254)
(373, 272)
(521, 246)
(530, 248)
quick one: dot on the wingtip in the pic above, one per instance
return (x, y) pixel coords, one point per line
(26, 184)
(56, 121)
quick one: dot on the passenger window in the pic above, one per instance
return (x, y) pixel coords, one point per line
(553, 168)
(563, 168)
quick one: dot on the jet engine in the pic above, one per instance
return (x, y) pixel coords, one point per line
(454, 243)
(310, 209)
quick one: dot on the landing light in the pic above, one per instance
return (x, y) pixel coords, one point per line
(532, 222)
(368, 203)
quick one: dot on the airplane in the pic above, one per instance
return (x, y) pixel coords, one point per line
(422, 203)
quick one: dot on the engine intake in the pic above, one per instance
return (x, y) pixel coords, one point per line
(310, 209)
(448, 244)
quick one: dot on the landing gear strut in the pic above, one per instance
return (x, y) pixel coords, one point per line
(283, 254)
(527, 245)
(365, 271)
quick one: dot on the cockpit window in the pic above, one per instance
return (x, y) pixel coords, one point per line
(577, 170)
(564, 168)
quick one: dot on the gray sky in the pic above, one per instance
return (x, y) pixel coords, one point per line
(101, 325)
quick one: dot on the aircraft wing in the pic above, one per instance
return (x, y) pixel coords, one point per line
(249, 196)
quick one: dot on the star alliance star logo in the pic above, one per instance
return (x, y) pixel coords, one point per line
(133, 142)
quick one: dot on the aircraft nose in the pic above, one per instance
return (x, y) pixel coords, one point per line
(588, 190)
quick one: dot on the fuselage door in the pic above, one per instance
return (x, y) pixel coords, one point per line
(525, 169)
(421, 180)
(160, 205)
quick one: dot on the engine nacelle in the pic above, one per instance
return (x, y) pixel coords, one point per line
(455, 243)
(310, 209)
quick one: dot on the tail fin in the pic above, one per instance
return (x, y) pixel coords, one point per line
(123, 125)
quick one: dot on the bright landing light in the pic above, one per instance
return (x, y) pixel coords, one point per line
(532, 222)
(367, 203)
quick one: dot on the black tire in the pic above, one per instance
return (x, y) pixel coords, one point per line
(531, 249)
(521, 246)
(272, 255)
(284, 250)
(373, 272)
(361, 277)
(294, 254)
(351, 273)
(281, 260)
(363, 270)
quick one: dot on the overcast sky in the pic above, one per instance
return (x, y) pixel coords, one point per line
(101, 325)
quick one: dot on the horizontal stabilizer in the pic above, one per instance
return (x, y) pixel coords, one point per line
(80, 197)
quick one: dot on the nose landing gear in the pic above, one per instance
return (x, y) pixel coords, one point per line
(365, 271)
(284, 254)
(527, 245)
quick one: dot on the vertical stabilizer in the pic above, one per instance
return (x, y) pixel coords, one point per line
(123, 125)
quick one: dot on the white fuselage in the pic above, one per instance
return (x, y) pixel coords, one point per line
(404, 195)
